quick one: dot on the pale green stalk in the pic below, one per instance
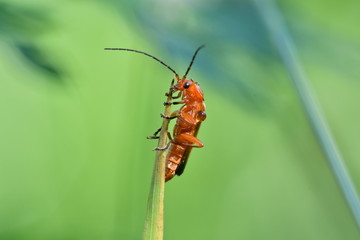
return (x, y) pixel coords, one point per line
(154, 221)
(284, 44)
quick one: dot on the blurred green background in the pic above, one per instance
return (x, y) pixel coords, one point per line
(74, 161)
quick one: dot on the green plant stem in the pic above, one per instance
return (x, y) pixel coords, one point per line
(283, 42)
(154, 221)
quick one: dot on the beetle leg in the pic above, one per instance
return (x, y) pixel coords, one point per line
(169, 136)
(162, 149)
(171, 117)
(187, 140)
(157, 137)
(173, 103)
(175, 114)
(174, 97)
(171, 89)
(154, 135)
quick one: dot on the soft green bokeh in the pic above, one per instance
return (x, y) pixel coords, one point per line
(74, 161)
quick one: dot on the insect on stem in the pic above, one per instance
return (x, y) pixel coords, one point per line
(186, 128)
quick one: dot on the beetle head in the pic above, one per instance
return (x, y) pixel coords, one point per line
(183, 84)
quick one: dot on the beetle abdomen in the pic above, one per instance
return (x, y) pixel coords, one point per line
(173, 159)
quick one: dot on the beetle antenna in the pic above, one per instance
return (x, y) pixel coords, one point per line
(132, 50)
(192, 60)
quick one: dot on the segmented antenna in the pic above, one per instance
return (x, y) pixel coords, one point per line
(192, 60)
(132, 50)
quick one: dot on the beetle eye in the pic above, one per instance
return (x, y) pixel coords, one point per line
(187, 85)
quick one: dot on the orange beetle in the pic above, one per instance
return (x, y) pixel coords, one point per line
(189, 118)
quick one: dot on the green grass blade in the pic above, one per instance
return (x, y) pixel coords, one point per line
(286, 49)
(154, 221)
